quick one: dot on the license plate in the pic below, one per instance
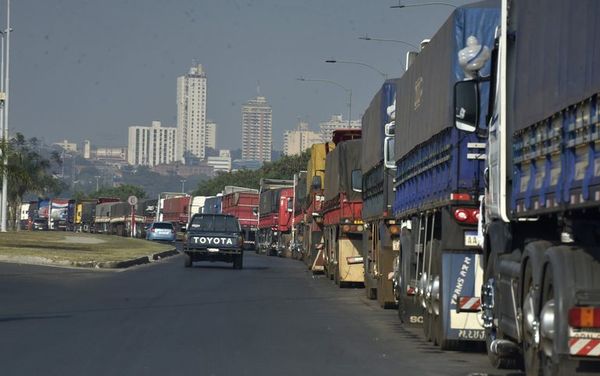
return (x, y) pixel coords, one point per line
(213, 249)
(471, 238)
(396, 245)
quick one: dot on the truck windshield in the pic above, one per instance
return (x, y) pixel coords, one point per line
(215, 223)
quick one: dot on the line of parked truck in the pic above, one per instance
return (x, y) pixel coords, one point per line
(470, 201)
(116, 217)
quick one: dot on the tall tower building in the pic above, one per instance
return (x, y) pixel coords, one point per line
(191, 114)
(257, 139)
(151, 146)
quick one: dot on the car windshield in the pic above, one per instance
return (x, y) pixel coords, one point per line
(215, 223)
(163, 225)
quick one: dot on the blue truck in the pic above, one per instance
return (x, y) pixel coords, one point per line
(541, 225)
(439, 178)
(381, 232)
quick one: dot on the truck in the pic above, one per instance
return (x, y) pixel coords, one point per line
(539, 232)
(313, 228)
(84, 215)
(242, 203)
(299, 216)
(438, 178)
(22, 222)
(341, 210)
(381, 234)
(161, 202)
(213, 204)
(177, 211)
(60, 211)
(213, 237)
(274, 216)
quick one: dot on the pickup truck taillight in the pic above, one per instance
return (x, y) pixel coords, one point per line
(584, 317)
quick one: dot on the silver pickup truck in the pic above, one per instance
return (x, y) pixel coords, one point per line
(214, 237)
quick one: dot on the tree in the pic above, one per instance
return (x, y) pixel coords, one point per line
(284, 168)
(27, 172)
(122, 192)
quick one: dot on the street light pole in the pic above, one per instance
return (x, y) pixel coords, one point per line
(349, 91)
(335, 61)
(182, 185)
(366, 37)
(400, 5)
(5, 125)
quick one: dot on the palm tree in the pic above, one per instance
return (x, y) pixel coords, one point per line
(27, 171)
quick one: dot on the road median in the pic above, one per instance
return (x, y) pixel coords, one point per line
(80, 250)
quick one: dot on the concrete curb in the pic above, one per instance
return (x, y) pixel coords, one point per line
(35, 260)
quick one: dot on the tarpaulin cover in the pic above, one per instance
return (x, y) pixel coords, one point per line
(338, 170)
(316, 163)
(373, 125)
(424, 104)
(557, 45)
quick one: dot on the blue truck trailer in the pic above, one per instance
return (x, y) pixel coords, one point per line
(541, 224)
(438, 181)
(381, 232)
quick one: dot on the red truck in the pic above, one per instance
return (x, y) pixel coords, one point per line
(275, 216)
(177, 211)
(341, 210)
(242, 203)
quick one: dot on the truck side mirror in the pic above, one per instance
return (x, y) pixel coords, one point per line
(388, 153)
(356, 179)
(466, 105)
(316, 182)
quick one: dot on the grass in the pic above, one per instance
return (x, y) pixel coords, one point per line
(60, 246)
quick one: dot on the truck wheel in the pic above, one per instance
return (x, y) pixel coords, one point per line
(531, 355)
(238, 262)
(187, 260)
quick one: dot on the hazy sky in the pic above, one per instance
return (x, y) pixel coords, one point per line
(88, 69)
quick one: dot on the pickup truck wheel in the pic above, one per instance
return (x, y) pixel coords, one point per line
(238, 262)
(187, 260)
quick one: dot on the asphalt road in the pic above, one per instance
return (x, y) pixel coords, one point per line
(271, 318)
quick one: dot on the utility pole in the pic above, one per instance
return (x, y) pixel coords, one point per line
(4, 210)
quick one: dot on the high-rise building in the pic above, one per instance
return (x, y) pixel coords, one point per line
(336, 122)
(87, 149)
(191, 114)
(67, 146)
(297, 141)
(151, 146)
(257, 117)
(211, 134)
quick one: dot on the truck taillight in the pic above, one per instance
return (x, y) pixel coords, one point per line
(584, 317)
(466, 215)
(460, 197)
(346, 228)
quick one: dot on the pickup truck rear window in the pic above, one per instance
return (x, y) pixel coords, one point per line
(215, 223)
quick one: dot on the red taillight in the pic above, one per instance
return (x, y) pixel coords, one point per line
(460, 197)
(584, 317)
(466, 215)
(152, 229)
(346, 228)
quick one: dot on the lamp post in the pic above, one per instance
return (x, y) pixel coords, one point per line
(5, 89)
(335, 61)
(400, 5)
(348, 91)
(97, 185)
(182, 181)
(366, 37)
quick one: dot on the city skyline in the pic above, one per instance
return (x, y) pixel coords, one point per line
(90, 69)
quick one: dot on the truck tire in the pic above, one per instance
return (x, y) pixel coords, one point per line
(187, 260)
(238, 262)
